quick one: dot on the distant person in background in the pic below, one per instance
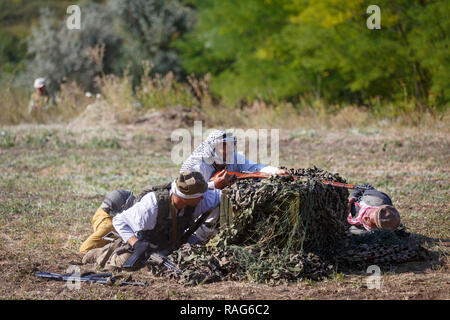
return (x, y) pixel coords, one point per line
(41, 99)
(371, 209)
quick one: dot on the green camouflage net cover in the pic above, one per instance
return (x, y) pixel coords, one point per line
(302, 215)
(272, 230)
(203, 264)
(380, 247)
(280, 230)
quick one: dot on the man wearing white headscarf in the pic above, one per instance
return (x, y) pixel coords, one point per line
(217, 154)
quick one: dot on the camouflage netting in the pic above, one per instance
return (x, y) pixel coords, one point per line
(380, 247)
(280, 230)
(280, 212)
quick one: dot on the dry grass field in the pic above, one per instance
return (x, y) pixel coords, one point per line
(53, 177)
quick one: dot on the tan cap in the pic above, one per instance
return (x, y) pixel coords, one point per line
(190, 185)
(387, 217)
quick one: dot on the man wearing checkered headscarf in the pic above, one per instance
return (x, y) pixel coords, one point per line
(207, 160)
(218, 154)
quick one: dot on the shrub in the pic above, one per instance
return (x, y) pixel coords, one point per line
(60, 53)
(149, 27)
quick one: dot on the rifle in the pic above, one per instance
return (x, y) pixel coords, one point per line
(133, 262)
(263, 175)
(161, 259)
(103, 278)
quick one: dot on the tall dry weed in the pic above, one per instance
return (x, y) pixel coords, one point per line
(162, 91)
(13, 105)
(71, 101)
(118, 93)
(123, 103)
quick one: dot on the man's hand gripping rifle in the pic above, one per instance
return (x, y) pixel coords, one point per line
(145, 252)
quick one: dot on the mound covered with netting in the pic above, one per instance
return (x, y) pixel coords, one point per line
(281, 229)
(299, 215)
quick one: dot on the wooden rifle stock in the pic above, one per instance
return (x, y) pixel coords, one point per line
(263, 175)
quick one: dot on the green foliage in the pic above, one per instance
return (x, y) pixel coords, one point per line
(98, 143)
(293, 51)
(144, 31)
(60, 53)
(7, 140)
(22, 12)
(430, 44)
(16, 18)
(12, 52)
(277, 49)
(148, 27)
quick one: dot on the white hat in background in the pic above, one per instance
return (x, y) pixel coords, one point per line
(39, 83)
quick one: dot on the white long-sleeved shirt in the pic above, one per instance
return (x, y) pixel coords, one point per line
(240, 164)
(143, 214)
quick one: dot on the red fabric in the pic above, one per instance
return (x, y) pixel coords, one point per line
(358, 220)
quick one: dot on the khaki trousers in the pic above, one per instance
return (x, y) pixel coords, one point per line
(110, 257)
(101, 225)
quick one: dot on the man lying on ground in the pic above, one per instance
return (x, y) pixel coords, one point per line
(157, 222)
(371, 209)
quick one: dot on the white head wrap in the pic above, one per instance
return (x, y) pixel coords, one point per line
(206, 150)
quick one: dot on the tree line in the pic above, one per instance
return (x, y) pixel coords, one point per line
(273, 50)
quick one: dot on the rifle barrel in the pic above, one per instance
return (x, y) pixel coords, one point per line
(103, 278)
(263, 175)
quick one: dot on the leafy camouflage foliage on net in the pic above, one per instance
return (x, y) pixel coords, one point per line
(280, 230)
(269, 231)
(380, 247)
(202, 264)
(280, 212)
